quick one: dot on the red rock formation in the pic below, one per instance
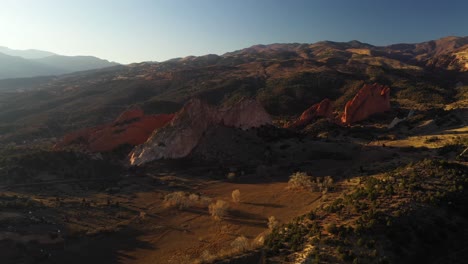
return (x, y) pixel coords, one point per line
(134, 113)
(371, 99)
(182, 135)
(132, 127)
(322, 109)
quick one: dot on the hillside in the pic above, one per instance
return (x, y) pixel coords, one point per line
(285, 78)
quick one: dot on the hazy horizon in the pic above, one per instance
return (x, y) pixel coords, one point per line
(134, 31)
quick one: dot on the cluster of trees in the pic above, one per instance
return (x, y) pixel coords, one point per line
(300, 180)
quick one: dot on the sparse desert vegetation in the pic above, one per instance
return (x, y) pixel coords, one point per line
(387, 201)
(183, 200)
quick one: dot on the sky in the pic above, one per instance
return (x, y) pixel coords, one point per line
(129, 31)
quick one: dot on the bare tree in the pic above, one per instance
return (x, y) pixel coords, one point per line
(240, 244)
(236, 196)
(218, 210)
(272, 222)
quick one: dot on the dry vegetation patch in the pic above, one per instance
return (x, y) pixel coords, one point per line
(236, 196)
(183, 200)
(219, 209)
(300, 180)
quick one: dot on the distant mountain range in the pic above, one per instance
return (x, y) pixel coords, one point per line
(32, 63)
(27, 54)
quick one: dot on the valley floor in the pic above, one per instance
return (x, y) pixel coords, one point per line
(129, 222)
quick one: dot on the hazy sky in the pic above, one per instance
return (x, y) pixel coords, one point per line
(141, 30)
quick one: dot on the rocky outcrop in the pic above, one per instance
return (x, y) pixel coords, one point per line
(183, 134)
(371, 99)
(322, 109)
(245, 114)
(132, 127)
(228, 145)
(398, 120)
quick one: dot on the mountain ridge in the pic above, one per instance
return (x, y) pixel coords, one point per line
(285, 78)
(27, 54)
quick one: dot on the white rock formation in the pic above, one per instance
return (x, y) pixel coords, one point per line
(181, 136)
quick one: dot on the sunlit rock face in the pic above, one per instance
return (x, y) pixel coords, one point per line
(178, 138)
(322, 109)
(182, 135)
(371, 99)
(132, 127)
